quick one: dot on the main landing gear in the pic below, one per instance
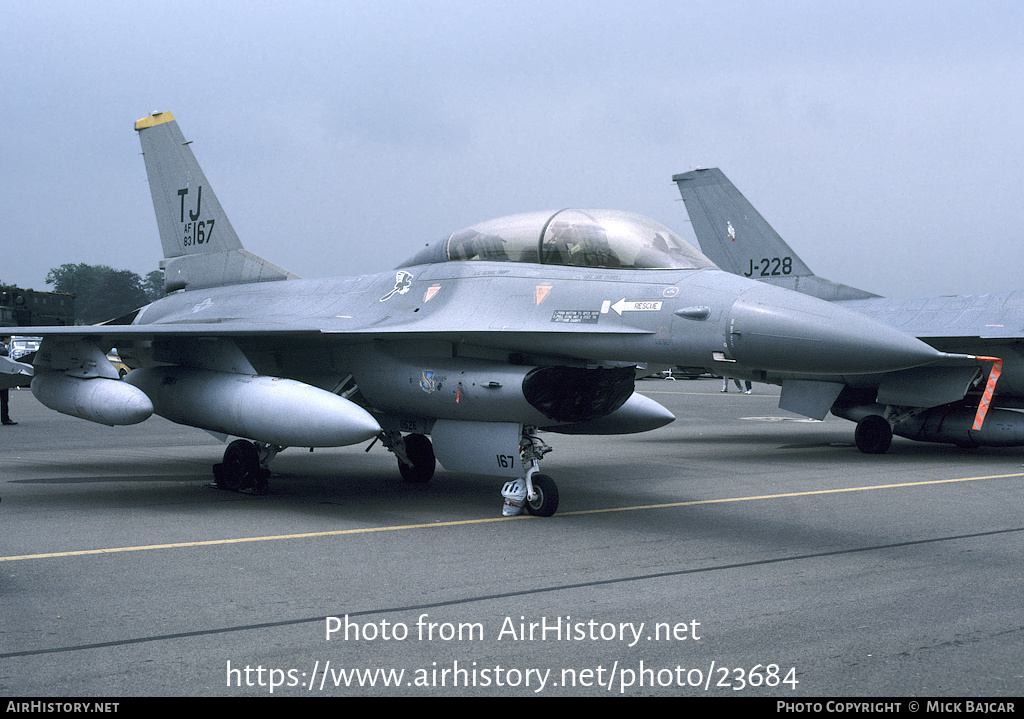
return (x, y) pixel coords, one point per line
(416, 462)
(873, 434)
(245, 467)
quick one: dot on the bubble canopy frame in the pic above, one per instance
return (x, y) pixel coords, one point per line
(606, 239)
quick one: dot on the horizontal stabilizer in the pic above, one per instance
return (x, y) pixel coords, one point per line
(217, 269)
(14, 374)
(926, 386)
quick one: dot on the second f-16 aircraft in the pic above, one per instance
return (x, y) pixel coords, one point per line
(463, 353)
(943, 402)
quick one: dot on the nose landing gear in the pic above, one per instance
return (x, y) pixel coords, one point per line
(536, 493)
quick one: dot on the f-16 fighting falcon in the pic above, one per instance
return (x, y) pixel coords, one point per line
(464, 353)
(943, 402)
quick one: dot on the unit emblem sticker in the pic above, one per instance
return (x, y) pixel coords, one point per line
(403, 282)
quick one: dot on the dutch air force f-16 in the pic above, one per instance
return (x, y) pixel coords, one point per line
(947, 402)
(463, 353)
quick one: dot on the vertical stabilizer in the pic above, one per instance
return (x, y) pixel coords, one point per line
(739, 240)
(200, 246)
(730, 231)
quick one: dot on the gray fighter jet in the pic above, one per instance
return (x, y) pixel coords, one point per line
(464, 353)
(943, 402)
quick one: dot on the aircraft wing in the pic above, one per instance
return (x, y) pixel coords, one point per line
(247, 346)
(290, 330)
(994, 316)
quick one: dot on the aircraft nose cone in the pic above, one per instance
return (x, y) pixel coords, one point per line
(775, 329)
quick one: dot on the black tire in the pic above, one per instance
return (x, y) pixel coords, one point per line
(873, 435)
(241, 463)
(546, 503)
(420, 452)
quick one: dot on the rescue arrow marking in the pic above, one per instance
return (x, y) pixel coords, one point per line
(634, 306)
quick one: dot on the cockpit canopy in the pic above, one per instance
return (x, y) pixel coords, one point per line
(577, 238)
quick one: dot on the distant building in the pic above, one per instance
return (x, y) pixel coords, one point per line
(26, 308)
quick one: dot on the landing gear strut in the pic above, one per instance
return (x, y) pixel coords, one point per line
(245, 467)
(537, 493)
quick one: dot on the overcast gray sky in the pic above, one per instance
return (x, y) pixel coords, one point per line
(883, 140)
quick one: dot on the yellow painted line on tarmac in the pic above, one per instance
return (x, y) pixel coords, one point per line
(242, 540)
(791, 494)
(463, 522)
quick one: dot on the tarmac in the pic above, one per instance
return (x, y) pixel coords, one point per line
(739, 551)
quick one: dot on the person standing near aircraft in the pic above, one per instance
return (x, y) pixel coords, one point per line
(5, 413)
(746, 390)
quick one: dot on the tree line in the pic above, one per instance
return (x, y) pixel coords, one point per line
(104, 293)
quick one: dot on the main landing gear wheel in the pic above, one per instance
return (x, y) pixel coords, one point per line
(873, 435)
(546, 502)
(241, 469)
(420, 452)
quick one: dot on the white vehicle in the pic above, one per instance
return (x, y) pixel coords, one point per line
(21, 346)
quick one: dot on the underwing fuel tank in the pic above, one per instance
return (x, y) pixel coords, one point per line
(954, 425)
(98, 399)
(277, 411)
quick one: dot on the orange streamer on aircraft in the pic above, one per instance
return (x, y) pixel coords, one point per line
(990, 388)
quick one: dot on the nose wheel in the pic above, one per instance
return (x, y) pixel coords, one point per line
(544, 501)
